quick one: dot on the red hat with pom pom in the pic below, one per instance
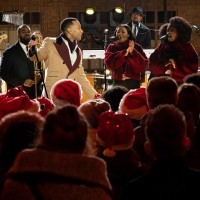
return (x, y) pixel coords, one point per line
(15, 92)
(115, 132)
(14, 104)
(46, 105)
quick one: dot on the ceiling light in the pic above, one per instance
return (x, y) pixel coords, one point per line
(118, 9)
(89, 11)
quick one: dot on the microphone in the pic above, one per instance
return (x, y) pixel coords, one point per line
(33, 51)
(106, 38)
(164, 37)
(106, 31)
(195, 28)
(33, 47)
(112, 38)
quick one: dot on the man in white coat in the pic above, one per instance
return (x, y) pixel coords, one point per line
(63, 57)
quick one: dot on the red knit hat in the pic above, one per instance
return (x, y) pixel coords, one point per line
(66, 91)
(15, 92)
(115, 132)
(46, 105)
(14, 104)
(134, 103)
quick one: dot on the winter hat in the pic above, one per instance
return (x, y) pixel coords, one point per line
(66, 91)
(15, 92)
(134, 103)
(46, 105)
(115, 132)
(14, 104)
(92, 109)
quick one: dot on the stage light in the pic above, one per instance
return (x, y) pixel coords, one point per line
(90, 16)
(89, 11)
(118, 14)
(118, 10)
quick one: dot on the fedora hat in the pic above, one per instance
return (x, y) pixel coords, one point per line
(138, 10)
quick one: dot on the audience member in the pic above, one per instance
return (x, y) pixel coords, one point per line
(115, 138)
(57, 168)
(16, 68)
(14, 104)
(63, 57)
(66, 91)
(175, 56)
(135, 105)
(18, 131)
(189, 104)
(114, 95)
(167, 142)
(193, 78)
(125, 58)
(160, 90)
(91, 110)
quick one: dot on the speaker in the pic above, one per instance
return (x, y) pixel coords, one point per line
(93, 65)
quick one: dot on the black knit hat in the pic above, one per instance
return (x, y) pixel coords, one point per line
(138, 10)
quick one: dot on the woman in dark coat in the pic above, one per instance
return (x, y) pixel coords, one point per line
(175, 56)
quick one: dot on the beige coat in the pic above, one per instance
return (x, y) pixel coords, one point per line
(58, 65)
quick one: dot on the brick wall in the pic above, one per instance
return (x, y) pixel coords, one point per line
(53, 11)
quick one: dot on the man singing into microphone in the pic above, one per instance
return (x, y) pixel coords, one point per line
(63, 57)
(16, 68)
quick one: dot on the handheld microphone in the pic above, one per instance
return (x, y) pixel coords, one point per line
(33, 47)
(195, 28)
(113, 38)
(33, 50)
(164, 37)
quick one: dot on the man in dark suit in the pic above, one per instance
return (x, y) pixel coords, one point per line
(16, 68)
(141, 32)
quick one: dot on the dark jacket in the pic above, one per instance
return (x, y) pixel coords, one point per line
(16, 67)
(143, 36)
(169, 179)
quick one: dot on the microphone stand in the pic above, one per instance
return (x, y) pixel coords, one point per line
(40, 71)
(104, 65)
(114, 62)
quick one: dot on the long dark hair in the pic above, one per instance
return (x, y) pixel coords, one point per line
(183, 28)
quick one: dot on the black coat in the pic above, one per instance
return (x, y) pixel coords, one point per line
(144, 36)
(16, 67)
(169, 179)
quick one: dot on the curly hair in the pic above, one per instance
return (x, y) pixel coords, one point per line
(163, 29)
(183, 28)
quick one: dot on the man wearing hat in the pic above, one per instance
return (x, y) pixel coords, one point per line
(141, 32)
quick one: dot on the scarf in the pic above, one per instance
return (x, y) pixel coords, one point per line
(72, 45)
